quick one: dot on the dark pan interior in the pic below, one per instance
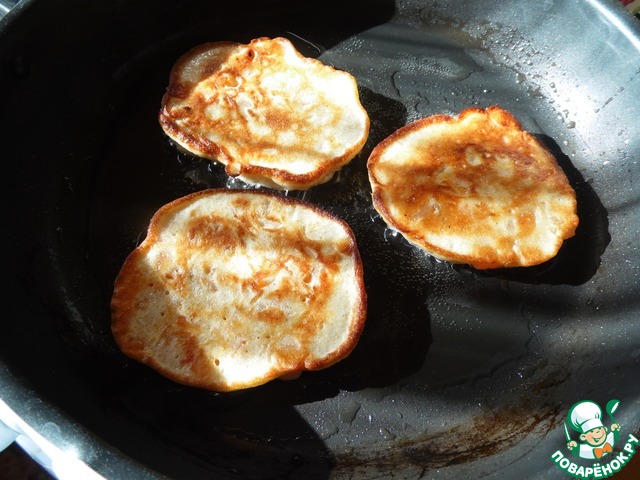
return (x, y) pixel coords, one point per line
(458, 372)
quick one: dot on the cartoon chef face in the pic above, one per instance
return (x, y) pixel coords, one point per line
(595, 437)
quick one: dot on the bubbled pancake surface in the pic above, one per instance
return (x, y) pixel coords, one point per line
(473, 189)
(272, 116)
(231, 289)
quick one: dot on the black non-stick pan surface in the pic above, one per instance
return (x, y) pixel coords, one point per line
(458, 374)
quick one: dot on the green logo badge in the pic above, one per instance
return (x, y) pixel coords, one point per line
(594, 441)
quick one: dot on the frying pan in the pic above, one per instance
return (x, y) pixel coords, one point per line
(458, 374)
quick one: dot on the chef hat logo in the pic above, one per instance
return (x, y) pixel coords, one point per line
(585, 416)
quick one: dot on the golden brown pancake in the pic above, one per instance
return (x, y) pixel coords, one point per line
(473, 189)
(272, 116)
(233, 288)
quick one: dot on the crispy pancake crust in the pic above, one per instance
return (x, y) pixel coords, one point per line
(474, 189)
(231, 289)
(272, 116)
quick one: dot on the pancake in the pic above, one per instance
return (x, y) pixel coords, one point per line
(272, 116)
(473, 189)
(233, 288)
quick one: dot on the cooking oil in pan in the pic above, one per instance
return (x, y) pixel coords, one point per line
(439, 338)
(418, 306)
